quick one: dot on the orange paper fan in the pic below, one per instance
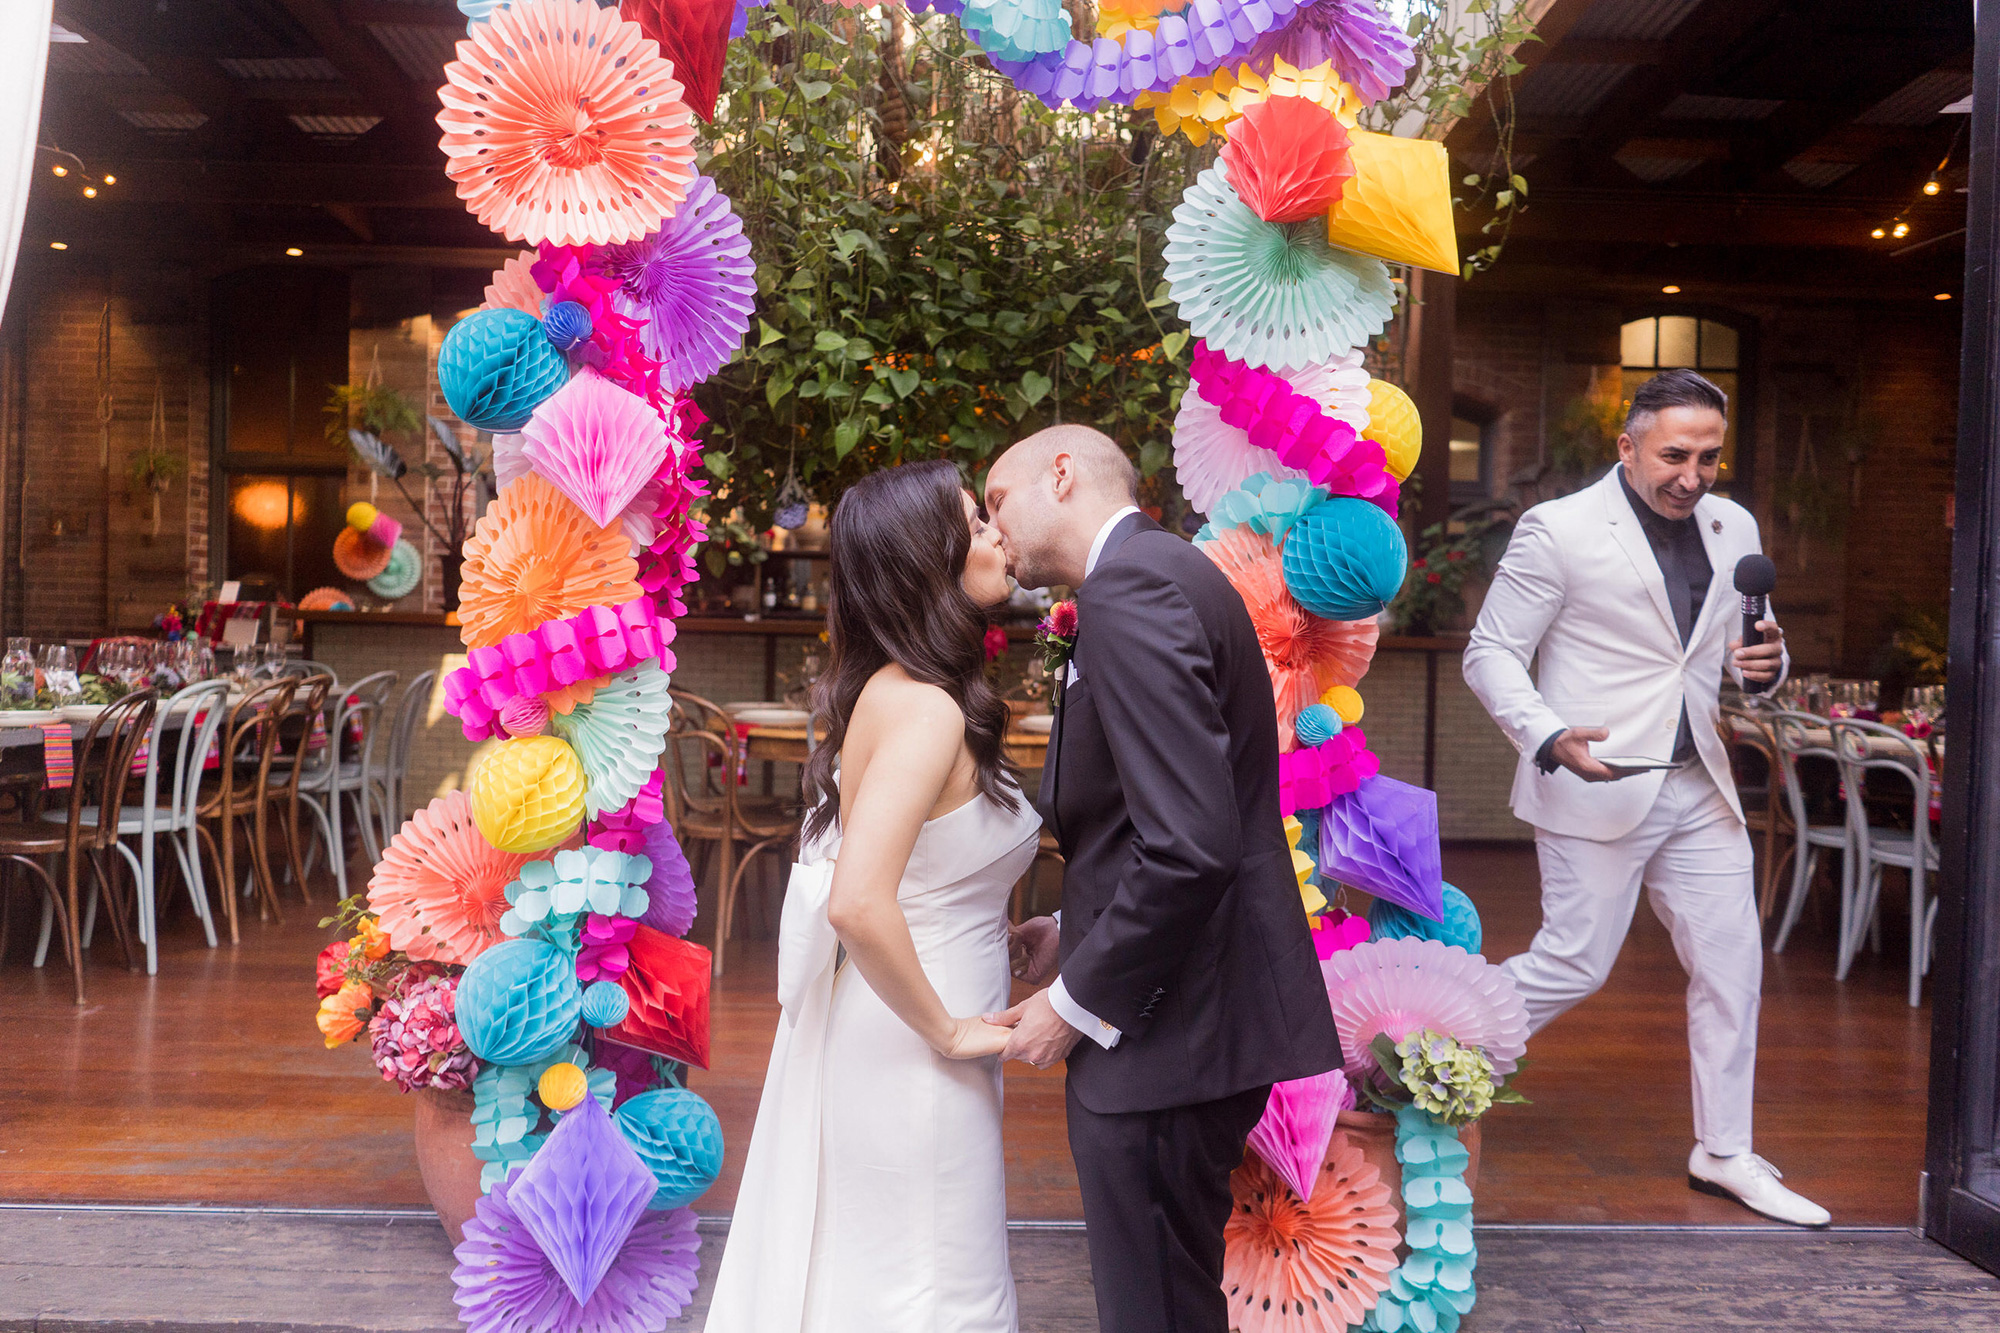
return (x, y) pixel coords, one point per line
(514, 287)
(358, 555)
(1291, 1266)
(534, 556)
(565, 699)
(440, 887)
(562, 122)
(1288, 159)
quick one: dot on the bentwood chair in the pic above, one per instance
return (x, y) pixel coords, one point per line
(239, 798)
(102, 773)
(1753, 762)
(1801, 737)
(297, 756)
(395, 766)
(1865, 748)
(334, 780)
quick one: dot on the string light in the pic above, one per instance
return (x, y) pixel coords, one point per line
(110, 180)
(1900, 230)
(1942, 296)
(1932, 185)
(90, 192)
(58, 245)
(293, 251)
(1878, 233)
(60, 169)
(1671, 289)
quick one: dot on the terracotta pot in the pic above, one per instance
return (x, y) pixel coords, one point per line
(1375, 1134)
(444, 1156)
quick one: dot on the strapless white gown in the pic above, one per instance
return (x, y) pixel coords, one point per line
(874, 1199)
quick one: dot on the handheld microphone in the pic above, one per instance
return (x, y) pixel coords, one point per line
(1755, 577)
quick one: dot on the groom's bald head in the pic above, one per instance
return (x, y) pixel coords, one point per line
(1049, 495)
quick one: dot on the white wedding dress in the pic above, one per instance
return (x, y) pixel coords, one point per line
(874, 1199)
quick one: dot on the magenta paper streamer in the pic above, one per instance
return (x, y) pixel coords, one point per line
(1310, 776)
(1278, 418)
(597, 641)
(692, 282)
(580, 1195)
(1297, 1125)
(1382, 838)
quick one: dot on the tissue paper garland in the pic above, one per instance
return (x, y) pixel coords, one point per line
(1292, 1266)
(1297, 1125)
(694, 284)
(1288, 159)
(1383, 839)
(1263, 505)
(1211, 103)
(439, 889)
(596, 443)
(534, 557)
(1362, 43)
(1278, 420)
(670, 889)
(561, 122)
(1433, 1287)
(1017, 30)
(1309, 778)
(1212, 458)
(1398, 986)
(597, 641)
(668, 987)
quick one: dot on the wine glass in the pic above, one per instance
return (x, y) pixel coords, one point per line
(59, 674)
(17, 675)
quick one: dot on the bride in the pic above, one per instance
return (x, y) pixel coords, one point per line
(874, 1198)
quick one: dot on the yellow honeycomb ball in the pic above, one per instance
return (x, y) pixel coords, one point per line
(563, 1086)
(1393, 424)
(1344, 700)
(361, 515)
(528, 795)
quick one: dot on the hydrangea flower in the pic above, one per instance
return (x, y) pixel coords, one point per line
(415, 1038)
(1447, 1080)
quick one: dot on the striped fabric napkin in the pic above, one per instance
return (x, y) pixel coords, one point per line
(58, 758)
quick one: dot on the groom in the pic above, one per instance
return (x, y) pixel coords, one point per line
(1188, 981)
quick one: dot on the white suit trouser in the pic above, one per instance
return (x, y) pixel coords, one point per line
(1693, 853)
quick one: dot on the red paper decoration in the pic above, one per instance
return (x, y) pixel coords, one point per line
(667, 984)
(1288, 159)
(694, 35)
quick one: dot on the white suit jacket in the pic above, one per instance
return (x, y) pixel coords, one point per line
(1581, 588)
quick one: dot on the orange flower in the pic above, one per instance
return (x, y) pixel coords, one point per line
(344, 1015)
(370, 941)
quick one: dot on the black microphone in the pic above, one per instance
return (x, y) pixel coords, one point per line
(1755, 577)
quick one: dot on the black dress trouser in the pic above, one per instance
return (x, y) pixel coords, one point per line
(1155, 1199)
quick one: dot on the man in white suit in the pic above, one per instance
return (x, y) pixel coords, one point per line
(1625, 592)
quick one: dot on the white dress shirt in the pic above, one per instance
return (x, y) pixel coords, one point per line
(1072, 1013)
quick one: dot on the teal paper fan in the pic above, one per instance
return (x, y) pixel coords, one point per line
(405, 572)
(1017, 30)
(1345, 559)
(1262, 505)
(679, 1138)
(1271, 294)
(619, 735)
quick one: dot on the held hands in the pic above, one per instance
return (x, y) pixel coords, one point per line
(1032, 949)
(1760, 662)
(1572, 751)
(1040, 1036)
(973, 1039)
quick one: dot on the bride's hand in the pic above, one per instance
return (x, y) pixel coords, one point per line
(973, 1039)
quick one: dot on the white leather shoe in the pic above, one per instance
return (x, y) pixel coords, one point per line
(1753, 1182)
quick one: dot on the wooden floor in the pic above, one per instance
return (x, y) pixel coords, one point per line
(208, 1083)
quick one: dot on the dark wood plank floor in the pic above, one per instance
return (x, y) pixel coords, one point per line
(208, 1083)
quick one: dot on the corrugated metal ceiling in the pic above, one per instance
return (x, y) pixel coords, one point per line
(1632, 20)
(1567, 91)
(1919, 101)
(421, 51)
(1689, 106)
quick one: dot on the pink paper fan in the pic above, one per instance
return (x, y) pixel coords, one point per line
(513, 287)
(563, 123)
(596, 443)
(1298, 1121)
(1397, 986)
(440, 886)
(694, 284)
(1212, 457)
(509, 463)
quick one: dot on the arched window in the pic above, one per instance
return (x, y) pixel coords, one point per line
(1662, 342)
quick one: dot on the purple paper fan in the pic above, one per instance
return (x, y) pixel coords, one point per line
(670, 888)
(694, 284)
(1365, 45)
(1382, 838)
(580, 1195)
(505, 1283)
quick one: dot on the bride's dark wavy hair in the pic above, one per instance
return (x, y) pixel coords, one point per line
(899, 547)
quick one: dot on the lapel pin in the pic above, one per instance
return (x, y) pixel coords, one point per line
(1715, 525)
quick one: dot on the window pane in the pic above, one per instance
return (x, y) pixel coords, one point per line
(1677, 340)
(1466, 441)
(281, 530)
(1718, 346)
(1635, 342)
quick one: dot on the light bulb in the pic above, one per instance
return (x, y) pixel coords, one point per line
(58, 245)
(1942, 296)
(60, 169)
(1931, 186)
(1878, 233)
(293, 251)
(110, 180)
(90, 192)
(1671, 289)
(1902, 230)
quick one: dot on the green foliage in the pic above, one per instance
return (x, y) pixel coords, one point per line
(369, 407)
(1444, 559)
(943, 264)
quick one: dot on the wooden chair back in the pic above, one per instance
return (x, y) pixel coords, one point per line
(103, 772)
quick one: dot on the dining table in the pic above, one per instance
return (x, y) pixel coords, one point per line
(778, 744)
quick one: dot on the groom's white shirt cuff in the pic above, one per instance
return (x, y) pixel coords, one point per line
(1089, 568)
(1080, 1018)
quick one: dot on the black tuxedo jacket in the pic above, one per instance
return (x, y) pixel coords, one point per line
(1181, 923)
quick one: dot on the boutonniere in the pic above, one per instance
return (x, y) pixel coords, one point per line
(1055, 638)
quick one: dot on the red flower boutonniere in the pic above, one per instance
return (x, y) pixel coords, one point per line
(1055, 637)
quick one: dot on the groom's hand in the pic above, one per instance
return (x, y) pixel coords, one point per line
(1040, 1037)
(1032, 947)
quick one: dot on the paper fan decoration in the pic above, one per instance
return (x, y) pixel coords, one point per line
(1212, 457)
(619, 735)
(1296, 1266)
(1362, 43)
(1398, 986)
(357, 557)
(402, 575)
(509, 463)
(1288, 159)
(694, 37)
(580, 1196)
(439, 888)
(1383, 839)
(1345, 559)
(495, 367)
(528, 794)
(514, 287)
(518, 1002)
(667, 984)
(534, 557)
(1398, 206)
(562, 123)
(1394, 424)
(596, 443)
(505, 1283)
(326, 599)
(694, 284)
(1298, 1123)
(1269, 294)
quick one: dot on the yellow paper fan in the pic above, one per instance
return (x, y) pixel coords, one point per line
(1394, 424)
(1198, 107)
(1398, 206)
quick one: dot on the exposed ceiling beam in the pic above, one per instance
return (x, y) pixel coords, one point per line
(122, 90)
(409, 114)
(1600, 51)
(1665, 218)
(352, 218)
(138, 31)
(308, 184)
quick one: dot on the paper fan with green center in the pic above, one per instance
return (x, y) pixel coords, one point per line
(1271, 294)
(619, 735)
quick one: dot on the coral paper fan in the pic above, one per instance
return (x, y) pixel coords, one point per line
(694, 35)
(1298, 1124)
(597, 444)
(439, 888)
(359, 556)
(563, 123)
(1288, 159)
(1296, 1266)
(1397, 986)
(534, 556)
(667, 984)
(694, 284)
(514, 288)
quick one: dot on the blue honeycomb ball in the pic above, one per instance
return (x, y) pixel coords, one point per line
(496, 367)
(1317, 724)
(605, 1004)
(1345, 559)
(567, 325)
(1460, 926)
(519, 1002)
(679, 1139)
